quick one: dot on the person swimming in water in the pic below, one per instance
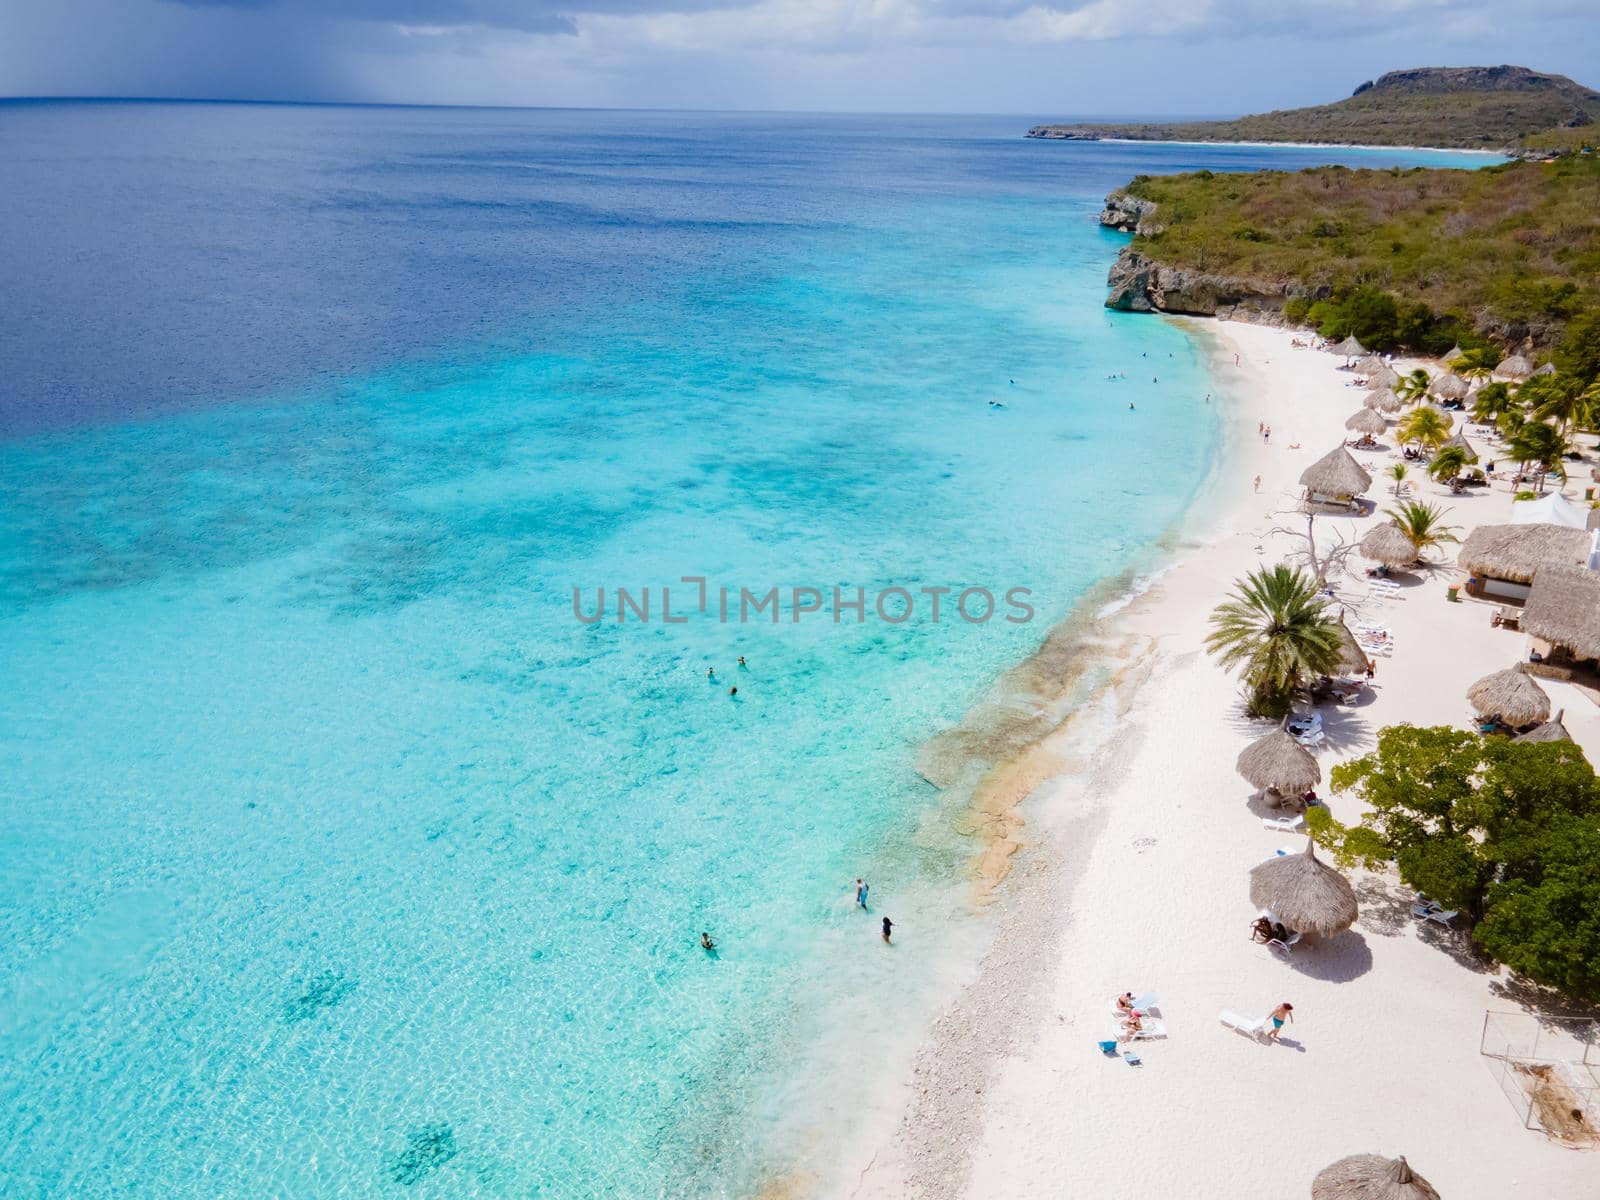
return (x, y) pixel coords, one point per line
(711, 672)
(733, 691)
(742, 662)
(707, 942)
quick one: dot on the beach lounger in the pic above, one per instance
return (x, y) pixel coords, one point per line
(1439, 916)
(1251, 1027)
(1151, 1029)
(1284, 947)
(1283, 824)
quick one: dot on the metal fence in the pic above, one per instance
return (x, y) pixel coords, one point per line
(1548, 1068)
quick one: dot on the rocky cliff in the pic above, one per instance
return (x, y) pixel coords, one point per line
(1139, 283)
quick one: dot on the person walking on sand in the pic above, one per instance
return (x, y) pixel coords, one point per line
(861, 892)
(888, 925)
(1284, 1012)
(1258, 483)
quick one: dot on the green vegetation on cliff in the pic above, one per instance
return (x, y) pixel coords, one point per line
(1510, 251)
(1486, 108)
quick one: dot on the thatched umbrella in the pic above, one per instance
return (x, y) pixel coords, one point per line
(1278, 763)
(1336, 474)
(1551, 731)
(1304, 892)
(1455, 353)
(1388, 544)
(1509, 696)
(1352, 658)
(1371, 363)
(1449, 387)
(1547, 369)
(1383, 400)
(1371, 1177)
(1366, 420)
(1384, 378)
(1563, 608)
(1350, 348)
(1460, 439)
(1516, 552)
(1515, 367)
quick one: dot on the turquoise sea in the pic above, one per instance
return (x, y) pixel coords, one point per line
(337, 858)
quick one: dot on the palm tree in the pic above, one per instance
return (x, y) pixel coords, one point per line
(1422, 525)
(1448, 463)
(1477, 363)
(1397, 472)
(1412, 387)
(1426, 425)
(1560, 398)
(1541, 444)
(1276, 632)
(1510, 421)
(1491, 402)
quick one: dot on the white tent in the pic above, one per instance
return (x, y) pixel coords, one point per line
(1553, 509)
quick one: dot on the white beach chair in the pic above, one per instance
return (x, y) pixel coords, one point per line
(1251, 1027)
(1284, 947)
(1283, 824)
(1149, 1029)
(1439, 916)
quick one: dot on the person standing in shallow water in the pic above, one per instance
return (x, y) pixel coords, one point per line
(861, 892)
(888, 926)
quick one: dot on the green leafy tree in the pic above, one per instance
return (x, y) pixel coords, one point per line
(1542, 446)
(1459, 812)
(1544, 919)
(1423, 524)
(1448, 464)
(1277, 634)
(1427, 426)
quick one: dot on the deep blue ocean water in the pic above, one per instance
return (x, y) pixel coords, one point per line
(336, 857)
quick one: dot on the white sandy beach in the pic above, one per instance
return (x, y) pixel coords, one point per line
(1133, 877)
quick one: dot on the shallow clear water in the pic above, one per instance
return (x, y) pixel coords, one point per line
(336, 857)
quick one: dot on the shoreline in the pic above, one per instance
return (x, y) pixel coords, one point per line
(1281, 145)
(998, 1100)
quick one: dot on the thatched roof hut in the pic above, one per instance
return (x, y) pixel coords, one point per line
(1279, 763)
(1449, 387)
(1564, 608)
(1350, 348)
(1384, 377)
(1460, 439)
(1455, 353)
(1371, 1177)
(1383, 400)
(1335, 476)
(1515, 367)
(1304, 893)
(1366, 420)
(1546, 369)
(1551, 731)
(1369, 364)
(1352, 658)
(1515, 552)
(1388, 544)
(1509, 696)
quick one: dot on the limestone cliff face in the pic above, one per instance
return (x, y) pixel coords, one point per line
(1141, 284)
(1127, 213)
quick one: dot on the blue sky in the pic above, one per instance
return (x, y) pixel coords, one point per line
(1051, 57)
